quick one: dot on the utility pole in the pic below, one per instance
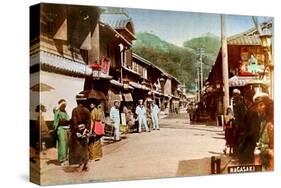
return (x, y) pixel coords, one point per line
(200, 52)
(198, 84)
(224, 64)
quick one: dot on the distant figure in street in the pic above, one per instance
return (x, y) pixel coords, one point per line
(61, 126)
(80, 126)
(115, 116)
(141, 113)
(228, 130)
(191, 111)
(155, 116)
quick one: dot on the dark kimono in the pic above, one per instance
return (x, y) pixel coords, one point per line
(78, 153)
(249, 137)
(239, 110)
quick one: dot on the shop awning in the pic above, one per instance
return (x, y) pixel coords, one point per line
(126, 87)
(116, 83)
(238, 81)
(138, 86)
(128, 97)
(94, 94)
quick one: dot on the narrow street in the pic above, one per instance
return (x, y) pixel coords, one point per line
(177, 149)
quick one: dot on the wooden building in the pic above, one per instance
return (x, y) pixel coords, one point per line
(246, 61)
(61, 46)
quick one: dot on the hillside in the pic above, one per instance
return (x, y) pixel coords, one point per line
(178, 61)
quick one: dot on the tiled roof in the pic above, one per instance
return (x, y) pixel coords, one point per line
(61, 63)
(249, 37)
(244, 40)
(117, 21)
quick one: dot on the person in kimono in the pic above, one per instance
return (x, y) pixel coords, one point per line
(115, 116)
(80, 126)
(61, 126)
(239, 111)
(155, 116)
(97, 116)
(141, 113)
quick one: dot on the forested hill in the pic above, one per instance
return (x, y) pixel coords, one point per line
(178, 61)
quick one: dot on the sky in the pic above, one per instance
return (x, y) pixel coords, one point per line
(177, 27)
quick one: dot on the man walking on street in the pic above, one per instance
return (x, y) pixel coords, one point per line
(141, 113)
(115, 116)
(155, 115)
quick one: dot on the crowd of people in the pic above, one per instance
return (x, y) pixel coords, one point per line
(79, 135)
(248, 126)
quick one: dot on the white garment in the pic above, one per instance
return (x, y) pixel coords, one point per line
(115, 116)
(141, 112)
(154, 114)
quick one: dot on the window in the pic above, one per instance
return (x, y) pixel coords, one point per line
(145, 73)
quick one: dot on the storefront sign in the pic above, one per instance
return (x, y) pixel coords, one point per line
(105, 66)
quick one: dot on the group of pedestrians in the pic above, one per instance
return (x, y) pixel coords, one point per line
(79, 135)
(249, 129)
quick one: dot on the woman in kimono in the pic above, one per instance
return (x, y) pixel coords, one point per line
(95, 148)
(80, 126)
(228, 130)
(61, 126)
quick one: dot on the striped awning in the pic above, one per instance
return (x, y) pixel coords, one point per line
(239, 81)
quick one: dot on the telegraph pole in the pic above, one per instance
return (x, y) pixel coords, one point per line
(224, 64)
(198, 84)
(200, 52)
